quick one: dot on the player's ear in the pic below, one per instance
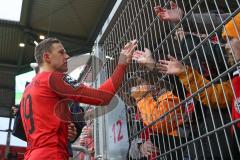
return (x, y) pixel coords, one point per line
(46, 57)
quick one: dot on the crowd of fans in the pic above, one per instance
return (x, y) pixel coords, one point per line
(210, 101)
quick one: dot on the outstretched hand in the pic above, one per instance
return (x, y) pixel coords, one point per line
(144, 58)
(174, 14)
(170, 67)
(127, 52)
(147, 148)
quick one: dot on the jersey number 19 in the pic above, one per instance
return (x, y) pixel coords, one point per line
(28, 113)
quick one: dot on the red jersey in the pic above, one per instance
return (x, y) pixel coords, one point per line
(45, 132)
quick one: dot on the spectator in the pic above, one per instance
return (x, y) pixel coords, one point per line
(86, 140)
(18, 130)
(196, 22)
(230, 31)
(153, 104)
(146, 59)
(78, 121)
(220, 90)
(210, 54)
(187, 75)
(142, 147)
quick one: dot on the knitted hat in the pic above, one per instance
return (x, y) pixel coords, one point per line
(232, 31)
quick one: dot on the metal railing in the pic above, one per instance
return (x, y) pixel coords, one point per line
(81, 149)
(205, 132)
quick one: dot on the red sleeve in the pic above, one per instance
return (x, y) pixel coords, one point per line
(112, 84)
(66, 87)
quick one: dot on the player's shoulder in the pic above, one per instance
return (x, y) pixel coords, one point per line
(63, 79)
(56, 77)
(46, 76)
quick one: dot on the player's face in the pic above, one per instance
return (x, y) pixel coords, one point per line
(58, 58)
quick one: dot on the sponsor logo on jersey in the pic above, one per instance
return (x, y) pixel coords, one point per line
(69, 80)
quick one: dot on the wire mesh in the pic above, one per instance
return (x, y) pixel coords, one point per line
(188, 116)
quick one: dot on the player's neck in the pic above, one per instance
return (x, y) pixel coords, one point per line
(46, 68)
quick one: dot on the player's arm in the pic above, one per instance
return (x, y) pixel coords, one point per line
(66, 87)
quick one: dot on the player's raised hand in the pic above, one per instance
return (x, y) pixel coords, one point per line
(127, 52)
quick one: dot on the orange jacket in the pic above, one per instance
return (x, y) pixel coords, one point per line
(215, 95)
(151, 110)
(232, 28)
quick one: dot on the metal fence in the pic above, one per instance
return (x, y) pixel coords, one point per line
(186, 116)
